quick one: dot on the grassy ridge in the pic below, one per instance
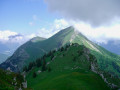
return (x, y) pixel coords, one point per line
(107, 61)
(70, 70)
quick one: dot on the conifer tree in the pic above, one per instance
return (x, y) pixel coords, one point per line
(38, 62)
(25, 69)
(52, 56)
(44, 65)
(34, 74)
(62, 49)
(49, 69)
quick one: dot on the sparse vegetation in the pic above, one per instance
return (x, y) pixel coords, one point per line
(10, 80)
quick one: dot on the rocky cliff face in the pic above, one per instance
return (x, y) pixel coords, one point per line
(11, 81)
(95, 68)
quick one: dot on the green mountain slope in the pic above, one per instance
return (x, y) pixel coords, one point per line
(3, 57)
(69, 68)
(20, 56)
(107, 61)
(32, 50)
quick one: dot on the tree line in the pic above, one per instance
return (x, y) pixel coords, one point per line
(41, 62)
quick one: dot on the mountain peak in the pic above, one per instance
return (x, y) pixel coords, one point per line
(37, 39)
(70, 28)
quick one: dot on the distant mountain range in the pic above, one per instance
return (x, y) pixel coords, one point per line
(3, 48)
(3, 57)
(7, 47)
(112, 46)
(11, 44)
(38, 46)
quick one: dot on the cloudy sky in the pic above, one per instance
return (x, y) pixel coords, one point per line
(99, 20)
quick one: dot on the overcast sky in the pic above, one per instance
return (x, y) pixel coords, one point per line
(97, 19)
(95, 12)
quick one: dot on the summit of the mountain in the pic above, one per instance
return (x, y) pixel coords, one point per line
(37, 39)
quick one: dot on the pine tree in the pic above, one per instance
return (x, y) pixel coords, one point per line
(90, 67)
(63, 55)
(34, 74)
(38, 62)
(25, 69)
(74, 59)
(31, 65)
(53, 51)
(44, 56)
(44, 66)
(52, 56)
(49, 54)
(62, 49)
(80, 52)
(49, 69)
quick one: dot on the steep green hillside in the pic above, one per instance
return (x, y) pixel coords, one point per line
(107, 61)
(3, 57)
(33, 49)
(69, 68)
(19, 58)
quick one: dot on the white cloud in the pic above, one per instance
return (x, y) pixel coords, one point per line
(7, 36)
(60, 24)
(4, 35)
(56, 26)
(85, 14)
(99, 34)
(96, 12)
